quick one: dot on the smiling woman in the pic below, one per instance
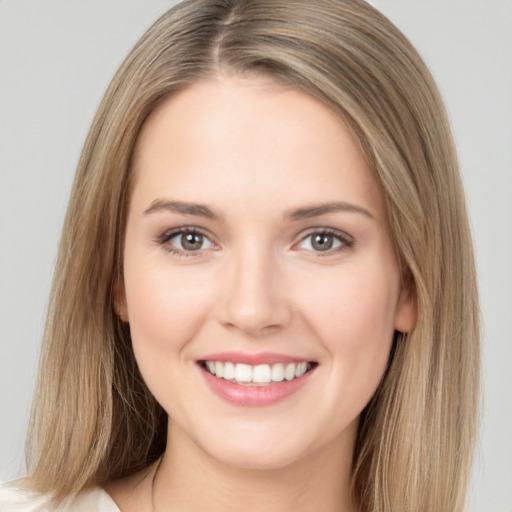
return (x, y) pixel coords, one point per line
(265, 292)
(257, 273)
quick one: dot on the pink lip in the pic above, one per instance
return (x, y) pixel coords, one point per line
(253, 396)
(253, 359)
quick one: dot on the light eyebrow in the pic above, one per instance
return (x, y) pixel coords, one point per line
(181, 207)
(322, 209)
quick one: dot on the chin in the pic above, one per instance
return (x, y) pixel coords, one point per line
(258, 447)
(256, 458)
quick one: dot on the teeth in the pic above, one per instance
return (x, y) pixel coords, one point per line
(301, 369)
(259, 374)
(277, 372)
(289, 372)
(243, 372)
(229, 371)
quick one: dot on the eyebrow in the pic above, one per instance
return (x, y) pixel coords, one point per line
(184, 208)
(201, 210)
(323, 209)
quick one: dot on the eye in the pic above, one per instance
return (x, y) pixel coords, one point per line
(325, 241)
(185, 240)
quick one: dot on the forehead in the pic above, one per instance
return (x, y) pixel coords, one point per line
(248, 137)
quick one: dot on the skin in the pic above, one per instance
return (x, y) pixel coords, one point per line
(253, 151)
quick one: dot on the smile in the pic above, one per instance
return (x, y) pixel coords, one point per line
(255, 380)
(257, 375)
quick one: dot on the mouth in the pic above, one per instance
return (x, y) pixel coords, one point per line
(257, 375)
(255, 379)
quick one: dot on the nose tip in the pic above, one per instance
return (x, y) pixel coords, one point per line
(248, 322)
(255, 299)
(252, 318)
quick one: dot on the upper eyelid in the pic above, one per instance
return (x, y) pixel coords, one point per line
(330, 231)
(346, 242)
(171, 233)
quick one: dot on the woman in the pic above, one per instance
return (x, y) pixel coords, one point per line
(265, 292)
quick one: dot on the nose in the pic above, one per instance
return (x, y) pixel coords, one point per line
(254, 295)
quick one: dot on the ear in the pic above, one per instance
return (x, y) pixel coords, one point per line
(406, 313)
(119, 299)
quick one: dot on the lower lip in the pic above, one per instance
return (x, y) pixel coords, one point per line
(254, 396)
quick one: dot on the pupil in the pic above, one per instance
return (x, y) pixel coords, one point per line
(192, 241)
(322, 242)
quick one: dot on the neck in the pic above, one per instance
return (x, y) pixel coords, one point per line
(190, 479)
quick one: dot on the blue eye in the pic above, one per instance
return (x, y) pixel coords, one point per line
(325, 241)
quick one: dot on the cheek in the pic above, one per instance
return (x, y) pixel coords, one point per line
(165, 307)
(356, 304)
(354, 321)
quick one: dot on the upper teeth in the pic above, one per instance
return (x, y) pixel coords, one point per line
(259, 374)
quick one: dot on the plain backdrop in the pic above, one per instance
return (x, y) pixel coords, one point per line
(56, 59)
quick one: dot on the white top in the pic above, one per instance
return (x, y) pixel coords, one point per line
(14, 497)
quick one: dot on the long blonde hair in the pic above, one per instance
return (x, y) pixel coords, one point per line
(93, 417)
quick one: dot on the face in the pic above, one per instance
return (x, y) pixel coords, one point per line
(260, 280)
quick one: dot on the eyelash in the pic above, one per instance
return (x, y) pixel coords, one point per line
(164, 238)
(345, 241)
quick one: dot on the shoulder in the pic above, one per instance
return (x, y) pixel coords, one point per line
(18, 497)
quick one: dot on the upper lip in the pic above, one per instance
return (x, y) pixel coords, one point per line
(254, 358)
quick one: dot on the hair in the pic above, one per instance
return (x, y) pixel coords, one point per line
(93, 417)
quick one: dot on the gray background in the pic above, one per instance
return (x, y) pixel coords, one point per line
(56, 58)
